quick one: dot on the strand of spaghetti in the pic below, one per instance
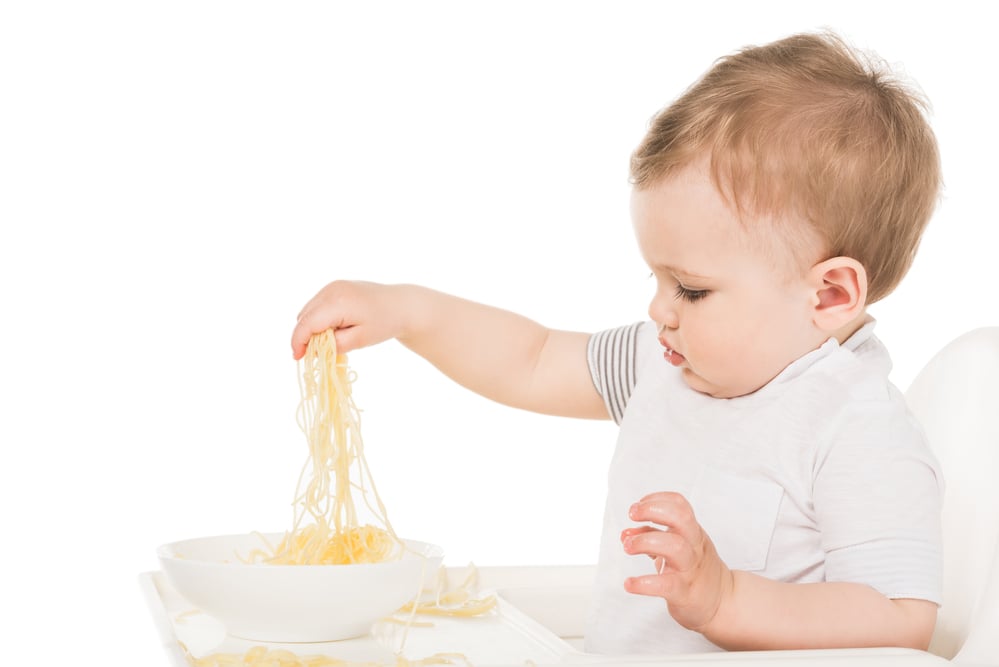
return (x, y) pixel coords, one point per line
(456, 602)
(476, 607)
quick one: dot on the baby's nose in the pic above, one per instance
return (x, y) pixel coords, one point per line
(666, 318)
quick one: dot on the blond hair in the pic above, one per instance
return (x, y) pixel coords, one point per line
(807, 127)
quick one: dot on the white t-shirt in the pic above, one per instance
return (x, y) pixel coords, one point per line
(821, 475)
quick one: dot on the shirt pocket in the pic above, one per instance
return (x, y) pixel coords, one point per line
(738, 514)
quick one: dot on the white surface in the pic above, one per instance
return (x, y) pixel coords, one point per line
(178, 178)
(293, 603)
(956, 399)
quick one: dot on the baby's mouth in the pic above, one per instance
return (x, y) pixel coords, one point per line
(673, 357)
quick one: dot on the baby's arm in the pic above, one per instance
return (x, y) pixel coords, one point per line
(493, 352)
(764, 613)
(744, 611)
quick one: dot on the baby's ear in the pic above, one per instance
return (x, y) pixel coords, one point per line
(840, 292)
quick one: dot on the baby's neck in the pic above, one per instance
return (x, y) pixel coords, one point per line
(851, 327)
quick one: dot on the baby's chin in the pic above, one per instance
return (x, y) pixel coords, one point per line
(715, 390)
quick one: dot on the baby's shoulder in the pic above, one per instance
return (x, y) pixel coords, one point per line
(860, 404)
(857, 378)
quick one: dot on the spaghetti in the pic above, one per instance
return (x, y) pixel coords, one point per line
(261, 656)
(326, 529)
(455, 602)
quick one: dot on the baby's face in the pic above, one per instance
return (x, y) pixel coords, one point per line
(729, 317)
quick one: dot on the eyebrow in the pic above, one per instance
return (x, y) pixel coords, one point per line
(681, 272)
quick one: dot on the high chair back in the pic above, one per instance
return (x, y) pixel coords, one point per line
(956, 398)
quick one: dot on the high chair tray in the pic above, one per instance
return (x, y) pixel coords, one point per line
(504, 636)
(538, 620)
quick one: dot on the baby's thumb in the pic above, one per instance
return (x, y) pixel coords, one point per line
(349, 339)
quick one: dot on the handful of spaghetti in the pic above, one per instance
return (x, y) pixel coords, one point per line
(326, 529)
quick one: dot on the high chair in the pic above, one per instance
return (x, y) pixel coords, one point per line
(956, 398)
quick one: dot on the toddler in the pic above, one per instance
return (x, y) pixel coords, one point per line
(769, 489)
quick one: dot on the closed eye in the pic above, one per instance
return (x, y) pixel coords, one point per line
(690, 295)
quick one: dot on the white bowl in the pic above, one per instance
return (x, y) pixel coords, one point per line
(293, 603)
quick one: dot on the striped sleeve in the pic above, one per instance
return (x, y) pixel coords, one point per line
(611, 356)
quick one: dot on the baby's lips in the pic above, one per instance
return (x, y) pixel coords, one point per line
(674, 357)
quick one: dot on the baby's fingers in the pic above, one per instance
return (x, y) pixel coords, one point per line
(635, 530)
(651, 584)
(329, 309)
(303, 333)
(667, 509)
(670, 551)
(348, 338)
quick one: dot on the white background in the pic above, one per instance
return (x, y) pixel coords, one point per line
(178, 178)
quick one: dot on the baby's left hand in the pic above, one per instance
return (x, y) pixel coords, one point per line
(691, 577)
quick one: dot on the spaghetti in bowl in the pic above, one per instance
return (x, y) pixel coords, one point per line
(293, 603)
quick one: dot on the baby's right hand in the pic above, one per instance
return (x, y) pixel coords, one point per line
(360, 313)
